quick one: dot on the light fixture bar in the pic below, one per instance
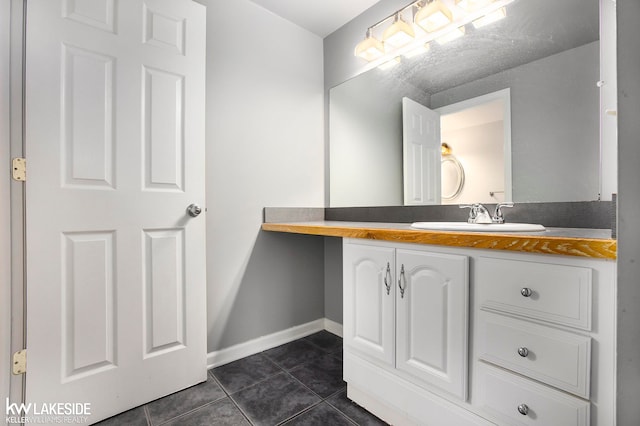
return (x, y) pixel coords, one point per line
(459, 18)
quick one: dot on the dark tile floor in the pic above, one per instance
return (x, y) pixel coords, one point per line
(299, 383)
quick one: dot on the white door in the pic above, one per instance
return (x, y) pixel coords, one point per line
(432, 314)
(369, 294)
(421, 153)
(116, 310)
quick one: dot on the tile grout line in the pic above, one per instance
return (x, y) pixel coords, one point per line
(309, 408)
(288, 372)
(210, 372)
(245, 415)
(193, 409)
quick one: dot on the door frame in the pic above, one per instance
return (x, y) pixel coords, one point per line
(12, 287)
(505, 96)
(5, 197)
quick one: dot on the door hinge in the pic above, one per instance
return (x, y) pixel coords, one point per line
(19, 365)
(19, 169)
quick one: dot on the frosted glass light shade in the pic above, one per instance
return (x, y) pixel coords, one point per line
(370, 48)
(398, 34)
(433, 16)
(472, 5)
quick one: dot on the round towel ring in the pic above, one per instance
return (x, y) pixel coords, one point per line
(452, 167)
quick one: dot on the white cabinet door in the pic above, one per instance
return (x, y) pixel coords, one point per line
(115, 143)
(369, 295)
(432, 318)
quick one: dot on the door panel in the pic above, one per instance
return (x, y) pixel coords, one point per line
(115, 145)
(432, 317)
(369, 326)
(164, 291)
(88, 329)
(163, 130)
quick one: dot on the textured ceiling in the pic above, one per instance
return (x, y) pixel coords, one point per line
(533, 29)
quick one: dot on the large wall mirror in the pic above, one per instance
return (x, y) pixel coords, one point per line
(545, 55)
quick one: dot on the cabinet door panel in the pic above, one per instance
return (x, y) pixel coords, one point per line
(369, 307)
(432, 319)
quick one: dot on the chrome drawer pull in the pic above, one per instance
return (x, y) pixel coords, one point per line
(523, 352)
(387, 279)
(526, 292)
(402, 278)
(523, 409)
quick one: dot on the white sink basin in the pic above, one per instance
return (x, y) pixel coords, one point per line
(478, 227)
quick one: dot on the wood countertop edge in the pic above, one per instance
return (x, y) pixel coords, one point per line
(543, 244)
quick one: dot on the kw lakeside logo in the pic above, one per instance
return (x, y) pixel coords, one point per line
(47, 413)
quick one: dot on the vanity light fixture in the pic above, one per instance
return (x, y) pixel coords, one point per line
(399, 34)
(472, 5)
(490, 18)
(408, 31)
(451, 35)
(370, 48)
(433, 15)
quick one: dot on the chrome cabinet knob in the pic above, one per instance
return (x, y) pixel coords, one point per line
(523, 409)
(526, 292)
(523, 352)
(194, 210)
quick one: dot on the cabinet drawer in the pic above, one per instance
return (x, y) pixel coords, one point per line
(503, 394)
(555, 357)
(555, 293)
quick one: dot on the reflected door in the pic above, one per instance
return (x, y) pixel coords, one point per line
(421, 153)
(115, 145)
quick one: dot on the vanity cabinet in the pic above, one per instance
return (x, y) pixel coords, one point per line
(533, 321)
(406, 310)
(462, 336)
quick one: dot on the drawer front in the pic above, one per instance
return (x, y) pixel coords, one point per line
(558, 294)
(514, 400)
(555, 357)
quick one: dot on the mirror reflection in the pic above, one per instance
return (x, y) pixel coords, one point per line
(544, 54)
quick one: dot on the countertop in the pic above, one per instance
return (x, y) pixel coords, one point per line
(582, 242)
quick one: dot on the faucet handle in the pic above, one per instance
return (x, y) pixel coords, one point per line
(473, 211)
(478, 213)
(498, 216)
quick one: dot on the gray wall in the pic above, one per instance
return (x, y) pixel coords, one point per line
(366, 139)
(333, 279)
(554, 124)
(628, 377)
(264, 139)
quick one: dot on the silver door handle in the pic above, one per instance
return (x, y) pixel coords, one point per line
(194, 210)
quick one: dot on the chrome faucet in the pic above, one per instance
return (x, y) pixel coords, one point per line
(479, 213)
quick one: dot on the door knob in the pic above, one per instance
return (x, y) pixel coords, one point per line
(194, 210)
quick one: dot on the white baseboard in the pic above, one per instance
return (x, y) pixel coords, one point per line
(333, 327)
(241, 350)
